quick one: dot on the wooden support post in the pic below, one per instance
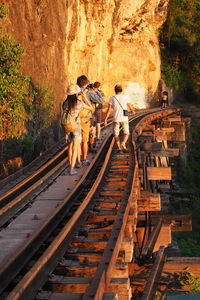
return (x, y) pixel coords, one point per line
(170, 152)
(152, 282)
(127, 247)
(148, 248)
(179, 134)
(152, 146)
(120, 286)
(159, 173)
(149, 202)
(164, 161)
(173, 119)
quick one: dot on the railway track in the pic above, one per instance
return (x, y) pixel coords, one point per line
(19, 189)
(75, 253)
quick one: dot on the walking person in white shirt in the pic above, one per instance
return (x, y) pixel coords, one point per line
(119, 103)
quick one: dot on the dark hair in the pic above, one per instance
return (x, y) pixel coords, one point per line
(118, 88)
(165, 93)
(90, 86)
(97, 84)
(70, 102)
(82, 81)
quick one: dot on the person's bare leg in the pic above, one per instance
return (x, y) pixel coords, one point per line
(70, 153)
(125, 139)
(98, 127)
(74, 153)
(84, 150)
(117, 141)
(79, 152)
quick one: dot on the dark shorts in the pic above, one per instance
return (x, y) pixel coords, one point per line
(98, 115)
(163, 101)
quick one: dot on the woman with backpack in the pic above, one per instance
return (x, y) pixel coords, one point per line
(71, 123)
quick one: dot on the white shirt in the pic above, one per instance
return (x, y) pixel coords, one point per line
(118, 114)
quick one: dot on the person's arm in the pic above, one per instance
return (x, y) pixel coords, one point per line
(130, 108)
(107, 114)
(85, 100)
(88, 107)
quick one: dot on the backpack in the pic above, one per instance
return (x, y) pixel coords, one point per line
(69, 121)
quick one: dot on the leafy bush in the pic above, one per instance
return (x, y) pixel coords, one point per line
(41, 110)
(180, 36)
(190, 178)
(189, 281)
(172, 76)
(13, 89)
(26, 111)
(3, 11)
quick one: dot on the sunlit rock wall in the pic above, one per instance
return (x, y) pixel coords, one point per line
(112, 41)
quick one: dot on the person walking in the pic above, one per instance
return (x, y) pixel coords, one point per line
(164, 99)
(85, 116)
(72, 107)
(119, 103)
(97, 99)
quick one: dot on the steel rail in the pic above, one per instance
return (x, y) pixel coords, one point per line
(6, 213)
(11, 267)
(12, 259)
(17, 186)
(26, 250)
(20, 289)
(29, 178)
(102, 147)
(17, 203)
(153, 116)
(103, 275)
(39, 160)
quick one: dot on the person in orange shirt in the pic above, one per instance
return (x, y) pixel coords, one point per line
(85, 116)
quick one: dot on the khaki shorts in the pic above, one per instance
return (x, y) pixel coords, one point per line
(124, 125)
(85, 128)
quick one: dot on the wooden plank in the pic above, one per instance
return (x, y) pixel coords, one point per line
(168, 129)
(164, 238)
(120, 286)
(152, 146)
(159, 173)
(149, 202)
(76, 296)
(162, 137)
(170, 152)
(179, 134)
(178, 222)
(149, 127)
(127, 247)
(173, 119)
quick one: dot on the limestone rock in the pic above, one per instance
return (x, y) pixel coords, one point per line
(112, 41)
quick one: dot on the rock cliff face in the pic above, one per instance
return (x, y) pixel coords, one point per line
(112, 41)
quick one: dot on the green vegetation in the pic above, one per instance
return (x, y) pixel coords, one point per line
(13, 88)
(189, 241)
(181, 52)
(26, 111)
(189, 281)
(160, 297)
